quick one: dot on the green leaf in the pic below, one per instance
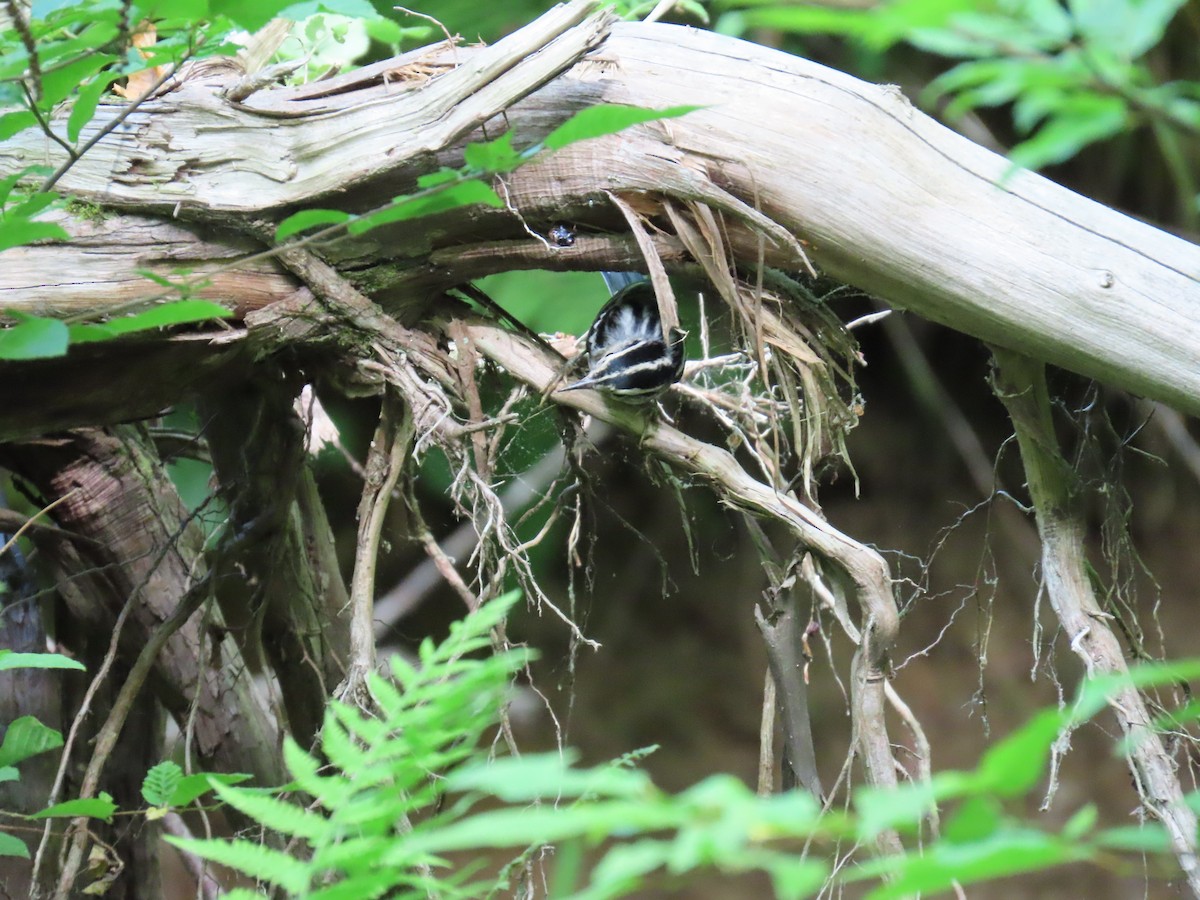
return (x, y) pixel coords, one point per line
(905, 805)
(330, 790)
(97, 31)
(794, 878)
(438, 178)
(1148, 838)
(463, 193)
(161, 280)
(977, 818)
(984, 33)
(385, 31)
(337, 745)
(34, 339)
(358, 9)
(1095, 692)
(878, 28)
(546, 775)
(9, 182)
(160, 783)
(27, 737)
(9, 773)
(1081, 823)
(86, 102)
(192, 787)
(309, 218)
(186, 11)
(16, 121)
(31, 205)
(1084, 121)
(821, 20)
(89, 334)
(15, 232)
(991, 82)
(58, 84)
(278, 815)
(533, 825)
(13, 63)
(494, 156)
(101, 807)
(606, 118)
(177, 312)
(1014, 765)
(12, 660)
(1125, 28)
(373, 884)
(250, 16)
(625, 865)
(944, 864)
(249, 858)
(13, 846)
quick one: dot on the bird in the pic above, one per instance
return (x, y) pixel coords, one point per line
(628, 355)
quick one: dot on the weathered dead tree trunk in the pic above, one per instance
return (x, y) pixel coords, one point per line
(884, 197)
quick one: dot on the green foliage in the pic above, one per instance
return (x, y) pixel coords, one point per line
(603, 119)
(416, 782)
(309, 218)
(27, 737)
(101, 807)
(82, 49)
(1074, 74)
(37, 337)
(166, 787)
(179, 312)
(19, 208)
(10, 659)
(335, 36)
(432, 717)
(407, 787)
(442, 198)
(33, 337)
(18, 223)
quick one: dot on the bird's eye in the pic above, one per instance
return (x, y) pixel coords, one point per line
(561, 236)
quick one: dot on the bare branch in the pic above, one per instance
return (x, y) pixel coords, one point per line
(1020, 383)
(391, 444)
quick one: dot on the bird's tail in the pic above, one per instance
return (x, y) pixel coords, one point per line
(617, 281)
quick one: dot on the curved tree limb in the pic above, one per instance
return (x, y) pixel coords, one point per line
(863, 568)
(1021, 386)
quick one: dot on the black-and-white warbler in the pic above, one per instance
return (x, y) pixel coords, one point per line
(628, 355)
